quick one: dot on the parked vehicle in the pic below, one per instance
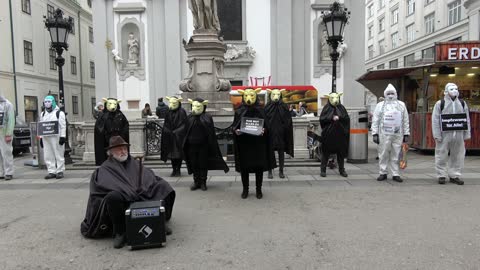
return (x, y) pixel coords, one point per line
(21, 137)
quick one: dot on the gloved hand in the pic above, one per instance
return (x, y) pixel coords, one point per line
(376, 139)
(41, 142)
(405, 138)
(61, 141)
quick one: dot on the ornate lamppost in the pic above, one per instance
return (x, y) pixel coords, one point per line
(335, 20)
(59, 28)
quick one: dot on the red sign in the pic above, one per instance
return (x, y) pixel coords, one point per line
(457, 51)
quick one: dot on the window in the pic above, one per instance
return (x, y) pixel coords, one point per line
(381, 47)
(430, 24)
(381, 24)
(428, 53)
(230, 17)
(52, 54)
(26, 6)
(50, 11)
(93, 104)
(75, 104)
(92, 70)
(370, 51)
(27, 52)
(394, 40)
(90, 34)
(73, 25)
(382, 66)
(410, 7)
(395, 15)
(89, 3)
(370, 32)
(393, 63)
(31, 108)
(381, 4)
(370, 11)
(73, 64)
(454, 10)
(411, 33)
(409, 60)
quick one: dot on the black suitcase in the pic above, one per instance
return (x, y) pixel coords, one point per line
(145, 225)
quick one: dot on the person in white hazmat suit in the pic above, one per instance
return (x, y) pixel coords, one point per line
(390, 128)
(7, 123)
(448, 140)
(54, 145)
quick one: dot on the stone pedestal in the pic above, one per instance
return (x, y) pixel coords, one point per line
(300, 128)
(206, 78)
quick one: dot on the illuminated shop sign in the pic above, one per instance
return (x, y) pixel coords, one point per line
(457, 51)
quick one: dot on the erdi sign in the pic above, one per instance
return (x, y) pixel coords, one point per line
(457, 51)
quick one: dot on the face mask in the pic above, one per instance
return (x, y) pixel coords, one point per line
(453, 93)
(390, 96)
(197, 108)
(275, 95)
(47, 104)
(174, 104)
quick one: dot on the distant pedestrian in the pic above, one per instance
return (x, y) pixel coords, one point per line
(7, 123)
(98, 110)
(302, 109)
(146, 112)
(161, 109)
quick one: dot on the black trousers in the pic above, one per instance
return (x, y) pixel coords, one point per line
(116, 206)
(281, 159)
(176, 164)
(258, 178)
(198, 156)
(340, 160)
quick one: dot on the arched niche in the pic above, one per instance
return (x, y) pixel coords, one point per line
(124, 29)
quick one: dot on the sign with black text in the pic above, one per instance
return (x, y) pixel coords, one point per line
(47, 128)
(253, 126)
(457, 121)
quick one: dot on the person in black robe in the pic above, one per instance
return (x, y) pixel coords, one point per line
(111, 122)
(173, 134)
(335, 124)
(253, 154)
(116, 184)
(281, 129)
(200, 148)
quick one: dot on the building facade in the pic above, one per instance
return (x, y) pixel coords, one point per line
(28, 71)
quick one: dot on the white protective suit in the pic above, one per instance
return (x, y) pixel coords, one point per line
(449, 141)
(390, 136)
(54, 152)
(6, 155)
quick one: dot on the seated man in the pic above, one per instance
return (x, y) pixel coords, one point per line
(116, 184)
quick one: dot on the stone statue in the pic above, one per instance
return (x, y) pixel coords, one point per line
(204, 14)
(133, 50)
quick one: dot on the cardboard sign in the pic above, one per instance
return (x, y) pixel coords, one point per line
(2, 114)
(392, 122)
(48, 128)
(456, 121)
(253, 126)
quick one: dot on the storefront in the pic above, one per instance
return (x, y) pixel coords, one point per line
(420, 87)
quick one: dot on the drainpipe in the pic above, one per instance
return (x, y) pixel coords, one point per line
(13, 59)
(81, 66)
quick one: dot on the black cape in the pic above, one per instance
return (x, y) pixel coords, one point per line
(335, 134)
(252, 152)
(107, 125)
(173, 134)
(215, 158)
(281, 126)
(113, 176)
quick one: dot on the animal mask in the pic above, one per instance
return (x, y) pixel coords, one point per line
(111, 103)
(334, 98)
(49, 102)
(173, 102)
(198, 105)
(250, 95)
(451, 89)
(275, 94)
(390, 93)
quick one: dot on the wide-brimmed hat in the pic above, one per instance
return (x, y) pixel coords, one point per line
(116, 141)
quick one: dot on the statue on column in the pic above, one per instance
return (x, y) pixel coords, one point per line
(204, 14)
(133, 50)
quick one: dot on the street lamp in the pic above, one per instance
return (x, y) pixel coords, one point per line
(59, 28)
(335, 20)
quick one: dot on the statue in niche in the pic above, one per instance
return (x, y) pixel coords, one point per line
(324, 47)
(133, 50)
(204, 14)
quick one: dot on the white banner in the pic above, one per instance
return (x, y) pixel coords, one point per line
(392, 122)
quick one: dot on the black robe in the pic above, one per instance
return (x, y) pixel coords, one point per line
(335, 134)
(107, 125)
(281, 126)
(114, 176)
(214, 156)
(252, 152)
(173, 134)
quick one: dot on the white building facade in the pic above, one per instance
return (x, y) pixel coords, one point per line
(28, 71)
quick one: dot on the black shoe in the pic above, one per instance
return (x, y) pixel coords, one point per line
(343, 173)
(119, 241)
(244, 193)
(323, 174)
(50, 176)
(270, 175)
(8, 177)
(203, 186)
(441, 180)
(281, 175)
(178, 173)
(382, 177)
(59, 175)
(168, 231)
(194, 186)
(397, 179)
(455, 180)
(259, 193)
(2, 177)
